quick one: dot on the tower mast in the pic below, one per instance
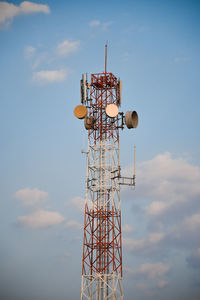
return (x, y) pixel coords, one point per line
(102, 242)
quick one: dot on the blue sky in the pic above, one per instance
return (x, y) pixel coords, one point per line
(153, 46)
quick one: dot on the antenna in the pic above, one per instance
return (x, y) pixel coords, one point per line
(134, 162)
(106, 46)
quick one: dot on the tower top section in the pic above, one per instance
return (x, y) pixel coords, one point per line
(101, 98)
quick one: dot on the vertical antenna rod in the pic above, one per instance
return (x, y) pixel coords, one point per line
(134, 162)
(106, 58)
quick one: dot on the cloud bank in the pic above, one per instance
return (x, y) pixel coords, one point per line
(31, 197)
(48, 76)
(150, 270)
(9, 11)
(168, 192)
(67, 47)
(171, 185)
(182, 236)
(41, 219)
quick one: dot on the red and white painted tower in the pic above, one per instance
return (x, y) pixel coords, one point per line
(102, 242)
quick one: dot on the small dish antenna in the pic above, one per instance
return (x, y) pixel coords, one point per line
(112, 110)
(80, 111)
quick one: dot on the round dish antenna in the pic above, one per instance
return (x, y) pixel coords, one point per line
(80, 111)
(131, 119)
(112, 110)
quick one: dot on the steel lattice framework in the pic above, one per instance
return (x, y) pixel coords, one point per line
(102, 244)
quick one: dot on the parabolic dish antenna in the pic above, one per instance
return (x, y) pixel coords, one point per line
(131, 119)
(112, 110)
(80, 111)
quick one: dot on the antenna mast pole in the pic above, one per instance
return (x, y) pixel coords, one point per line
(106, 58)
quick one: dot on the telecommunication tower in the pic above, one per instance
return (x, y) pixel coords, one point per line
(102, 241)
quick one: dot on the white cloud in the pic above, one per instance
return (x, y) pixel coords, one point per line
(49, 76)
(67, 47)
(29, 51)
(31, 197)
(158, 207)
(8, 10)
(184, 235)
(104, 26)
(150, 270)
(42, 58)
(168, 189)
(41, 219)
(28, 7)
(148, 244)
(169, 183)
(94, 23)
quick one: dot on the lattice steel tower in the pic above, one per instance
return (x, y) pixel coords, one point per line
(102, 242)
